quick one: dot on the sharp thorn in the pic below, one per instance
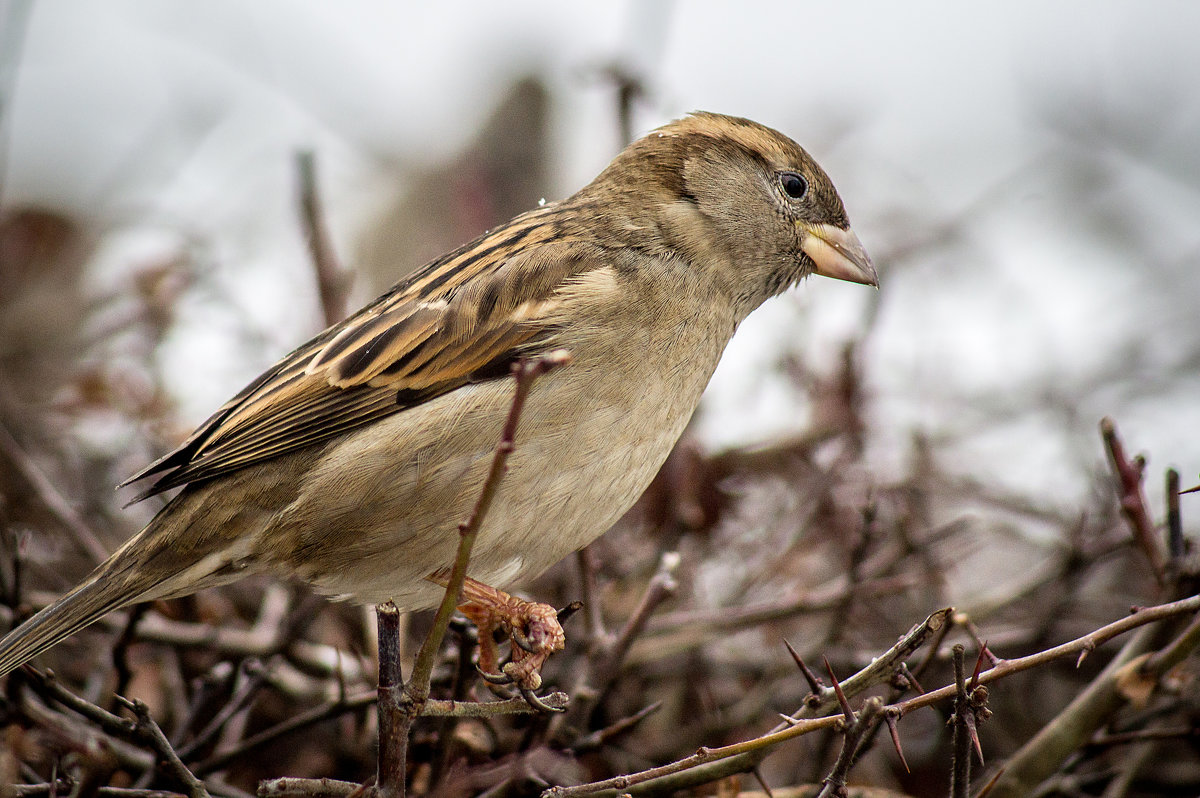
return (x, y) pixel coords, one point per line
(814, 684)
(890, 719)
(837, 688)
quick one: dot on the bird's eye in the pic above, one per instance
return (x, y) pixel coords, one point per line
(793, 185)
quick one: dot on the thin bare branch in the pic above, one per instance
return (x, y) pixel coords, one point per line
(1133, 501)
(307, 788)
(857, 730)
(333, 282)
(960, 771)
(526, 372)
(709, 764)
(50, 498)
(393, 730)
(149, 732)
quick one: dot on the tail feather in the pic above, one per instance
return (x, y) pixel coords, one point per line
(176, 554)
(82, 607)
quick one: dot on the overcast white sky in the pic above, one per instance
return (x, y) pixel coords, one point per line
(184, 116)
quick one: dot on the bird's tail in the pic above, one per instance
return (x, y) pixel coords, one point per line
(166, 559)
(80, 608)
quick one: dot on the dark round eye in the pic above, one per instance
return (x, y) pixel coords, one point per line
(793, 185)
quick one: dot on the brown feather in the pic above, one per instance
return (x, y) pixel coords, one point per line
(461, 319)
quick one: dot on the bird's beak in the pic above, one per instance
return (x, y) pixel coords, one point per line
(839, 254)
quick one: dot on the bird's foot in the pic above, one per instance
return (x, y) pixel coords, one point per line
(533, 628)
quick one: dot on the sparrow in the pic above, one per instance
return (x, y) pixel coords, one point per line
(350, 463)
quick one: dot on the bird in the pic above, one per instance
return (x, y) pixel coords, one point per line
(350, 462)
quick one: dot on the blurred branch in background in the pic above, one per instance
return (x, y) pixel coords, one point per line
(333, 283)
(502, 172)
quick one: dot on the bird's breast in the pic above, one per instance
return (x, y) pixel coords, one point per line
(380, 510)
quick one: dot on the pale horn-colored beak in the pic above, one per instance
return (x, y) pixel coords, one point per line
(839, 254)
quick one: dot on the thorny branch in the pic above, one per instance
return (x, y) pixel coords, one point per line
(639, 783)
(858, 728)
(1133, 501)
(960, 772)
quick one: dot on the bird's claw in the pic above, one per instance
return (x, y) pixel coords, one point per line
(535, 701)
(519, 638)
(524, 673)
(535, 632)
(501, 679)
(512, 675)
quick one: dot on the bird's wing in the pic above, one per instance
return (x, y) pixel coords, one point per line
(463, 318)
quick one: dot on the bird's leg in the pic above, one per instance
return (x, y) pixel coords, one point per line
(533, 627)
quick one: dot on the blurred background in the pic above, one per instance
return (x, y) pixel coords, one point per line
(1025, 175)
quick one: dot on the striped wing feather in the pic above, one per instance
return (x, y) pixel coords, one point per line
(463, 318)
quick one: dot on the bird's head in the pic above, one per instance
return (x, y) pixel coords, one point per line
(739, 196)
